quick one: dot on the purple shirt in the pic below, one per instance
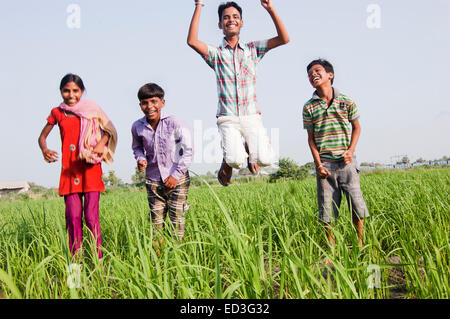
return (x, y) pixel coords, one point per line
(168, 151)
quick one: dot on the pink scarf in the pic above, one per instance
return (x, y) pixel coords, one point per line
(94, 123)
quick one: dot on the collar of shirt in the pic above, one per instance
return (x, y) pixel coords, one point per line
(145, 123)
(225, 44)
(317, 97)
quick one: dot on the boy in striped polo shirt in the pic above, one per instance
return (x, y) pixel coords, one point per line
(332, 121)
(234, 63)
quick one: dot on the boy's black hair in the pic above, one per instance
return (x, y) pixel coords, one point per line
(326, 65)
(71, 78)
(150, 90)
(229, 4)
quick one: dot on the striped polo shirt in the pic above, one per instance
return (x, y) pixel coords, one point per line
(236, 76)
(331, 124)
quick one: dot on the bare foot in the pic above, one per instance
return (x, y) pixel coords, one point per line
(253, 168)
(224, 175)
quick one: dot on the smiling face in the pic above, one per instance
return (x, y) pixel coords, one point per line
(318, 76)
(231, 22)
(151, 107)
(71, 93)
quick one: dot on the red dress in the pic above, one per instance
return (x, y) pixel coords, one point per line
(77, 176)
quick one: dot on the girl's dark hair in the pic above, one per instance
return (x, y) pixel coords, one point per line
(71, 78)
(150, 90)
(227, 5)
(326, 65)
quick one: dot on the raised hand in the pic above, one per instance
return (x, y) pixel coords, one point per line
(267, 4)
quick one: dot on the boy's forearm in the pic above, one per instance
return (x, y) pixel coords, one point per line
(139, 154)
(314, 151)
(193, 28)
(138, 150)
(137, 145)
(192, 39)
(356, 132)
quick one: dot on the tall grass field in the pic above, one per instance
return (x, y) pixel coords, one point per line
(251, 241)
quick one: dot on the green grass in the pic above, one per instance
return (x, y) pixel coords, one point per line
(258, 240)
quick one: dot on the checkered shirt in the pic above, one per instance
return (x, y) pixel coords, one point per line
(236, 76)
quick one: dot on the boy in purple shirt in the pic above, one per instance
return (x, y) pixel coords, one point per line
(162, 145)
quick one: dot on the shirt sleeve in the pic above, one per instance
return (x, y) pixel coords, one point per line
(353, 112)
(52, 118)
(211, 56)
(184, 150)
(307, 119)
(260, 49)
(137, 145)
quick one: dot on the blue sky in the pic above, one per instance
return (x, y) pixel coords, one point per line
(397, 74)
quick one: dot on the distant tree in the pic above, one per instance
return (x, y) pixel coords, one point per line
(288, 169)
(404, 160)
(368, 164)
(420, 160)
(34, 188)
(112, 180)
(310, 166)
(138, 177)
(371, 164)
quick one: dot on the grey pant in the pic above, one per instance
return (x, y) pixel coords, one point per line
(343, 179)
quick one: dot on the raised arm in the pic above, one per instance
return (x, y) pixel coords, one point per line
(283, 36)
(192, 39)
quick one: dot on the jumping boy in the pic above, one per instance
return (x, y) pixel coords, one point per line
(162, 145)
(234, 63)
(332, 121)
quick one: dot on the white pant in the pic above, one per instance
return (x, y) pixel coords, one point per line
(235, 131)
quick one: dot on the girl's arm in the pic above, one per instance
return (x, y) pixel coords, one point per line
(100, 147)
(49, 155)
(192, 39)
(283, 36)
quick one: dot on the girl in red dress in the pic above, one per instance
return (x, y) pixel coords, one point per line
(81, 175)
